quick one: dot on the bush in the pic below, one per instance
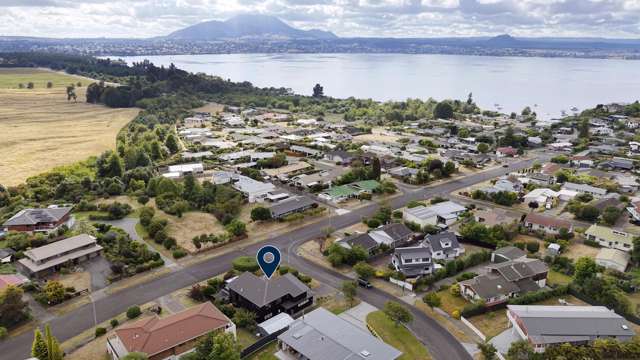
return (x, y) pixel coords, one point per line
(538, 296)
(591, 243)
(169, 243)
(474, 309)
(179, 253)
(100, 331)
(245, 263)
(533, 246)
(432, 299)
(133, 312)
(3, 333)
(260, 213)
(456, 314)
(143, 199)
(114, 323)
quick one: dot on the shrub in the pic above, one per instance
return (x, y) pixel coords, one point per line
(143, 199)
(533, 246)
(100, 331)
(474, 309)
(179, 253)
(591, 243)
(114, 323)
(3, 333)
(245, 263)
(260, 213)
(169, 243)
(133, 312)
(432, 299)
(456, 314)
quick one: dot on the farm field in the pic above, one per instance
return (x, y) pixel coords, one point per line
(41, 129)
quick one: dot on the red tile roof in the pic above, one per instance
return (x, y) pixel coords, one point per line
(7, 280)
(507, 150)
(153, 335)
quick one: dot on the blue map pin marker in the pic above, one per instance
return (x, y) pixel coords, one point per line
(268, 258)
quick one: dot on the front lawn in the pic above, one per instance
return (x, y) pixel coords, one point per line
(397, 336)
(556, 278)
(491, 323)
(266, 353)
(449, 303)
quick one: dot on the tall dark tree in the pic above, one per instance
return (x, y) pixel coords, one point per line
(318, 91)
(583, 129)
(443, 110)
(375, 169)
(172, 144)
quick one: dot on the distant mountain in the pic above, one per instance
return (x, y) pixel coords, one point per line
(247, 26)
(503, 40)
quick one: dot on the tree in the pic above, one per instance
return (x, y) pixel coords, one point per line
(49, 84)
(586, 268)
(349, 290)
(432, 299)
(71, 93)
(55, 292)
(236, 228)
(397, 313)
(39, 347)
(610, 215)
(53, 346)
(172, 144)
(588, 213)
(224, 347)
(260, 213)
(520, 350)
(583, 129)
(483, 148)
(30, 85)
(318, 91)
(12, 309)
(526, 111)
(533, 205)
(487, 350)
(133, 312)
(375, 168)
(115, 168)
(136, 356)
(364, 270)
(635, 252)
(245, 319)
(443, 110)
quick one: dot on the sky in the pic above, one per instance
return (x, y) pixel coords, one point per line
(369, 18)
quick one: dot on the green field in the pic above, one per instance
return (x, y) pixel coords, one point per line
(11, 78)
(397, 336)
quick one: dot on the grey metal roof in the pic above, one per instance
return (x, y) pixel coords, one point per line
(510, 252)
(60, 247)
(567, 323)
(292, 204)
(435, 241)
(396, 231)
(488, 286)
(37, 216)
(261, 291)
(415, 252)
(364, 240)
(439, 209)
(321, 335)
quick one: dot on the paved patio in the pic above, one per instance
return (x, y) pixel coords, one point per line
(503, 341)
(358, 315)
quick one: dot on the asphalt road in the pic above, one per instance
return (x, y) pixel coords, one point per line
(441, 344)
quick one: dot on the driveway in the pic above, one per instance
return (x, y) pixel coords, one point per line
(358, 315)
(503, 341)
(100, 269)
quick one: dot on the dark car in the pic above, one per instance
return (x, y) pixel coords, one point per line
(505, 165)
(364, 283)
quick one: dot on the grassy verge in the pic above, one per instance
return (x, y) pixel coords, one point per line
(450, 303)
(556, 278)
(397, 336)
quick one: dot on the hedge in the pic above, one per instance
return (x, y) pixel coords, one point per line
(538, 296)
(245, 263)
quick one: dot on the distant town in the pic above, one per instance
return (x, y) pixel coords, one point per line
(418, 229)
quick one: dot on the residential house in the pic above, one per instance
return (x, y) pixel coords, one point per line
(506, 152)
(541, 179)
(344, 192)
(322, 335)
(596, 192)
(443, 214)
(581, 162)
(6, 255)
(40, 220)
(392, 235)
(340, 157)
(543, 197)
(275, 325)
(495, 216)
(168, 337)
(322, 178)
(7, 280)
(508, 253)
(547, 224)
(253, 190)
(305, 151)
(178, 171)
(364, 240)
(444, 246)
(196, 121)
(413, 261)
(287, 171)
(543, 326)
(269, 297)
(628, 183)
(291, 205)
(506, 280)
(613, 259)
(505, 185)
(49, 258)
(617, 164)
(610, 238)
(561, 146)
(534, 141)
(404, 173)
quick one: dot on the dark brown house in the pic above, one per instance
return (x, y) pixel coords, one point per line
(39, 220)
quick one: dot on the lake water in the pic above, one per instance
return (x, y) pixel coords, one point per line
(548, 85)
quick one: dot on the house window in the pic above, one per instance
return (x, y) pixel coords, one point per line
(408, 261)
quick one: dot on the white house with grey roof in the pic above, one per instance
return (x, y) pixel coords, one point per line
(543, 326)
(444, 213)
(596, 192)
(253, 190)
(321, 335)
(444, 246)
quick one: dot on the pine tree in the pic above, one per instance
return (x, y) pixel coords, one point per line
(39, 347)
(53, 347)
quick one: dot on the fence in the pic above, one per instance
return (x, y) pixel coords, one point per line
(262, 342)
(473, 328)
(402, 284)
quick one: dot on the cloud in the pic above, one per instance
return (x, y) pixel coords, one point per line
(399, 18)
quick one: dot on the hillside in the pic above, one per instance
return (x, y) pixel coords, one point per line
(247, 26)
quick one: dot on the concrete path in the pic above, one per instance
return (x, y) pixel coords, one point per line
(503, 341)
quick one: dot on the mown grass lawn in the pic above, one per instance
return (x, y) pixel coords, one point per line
(266, 353)
(397, 336)
(556, 278)
(450, 303)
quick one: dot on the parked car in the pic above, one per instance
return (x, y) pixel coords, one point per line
(364, 283)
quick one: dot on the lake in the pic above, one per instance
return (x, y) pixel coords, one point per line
(548, 85)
